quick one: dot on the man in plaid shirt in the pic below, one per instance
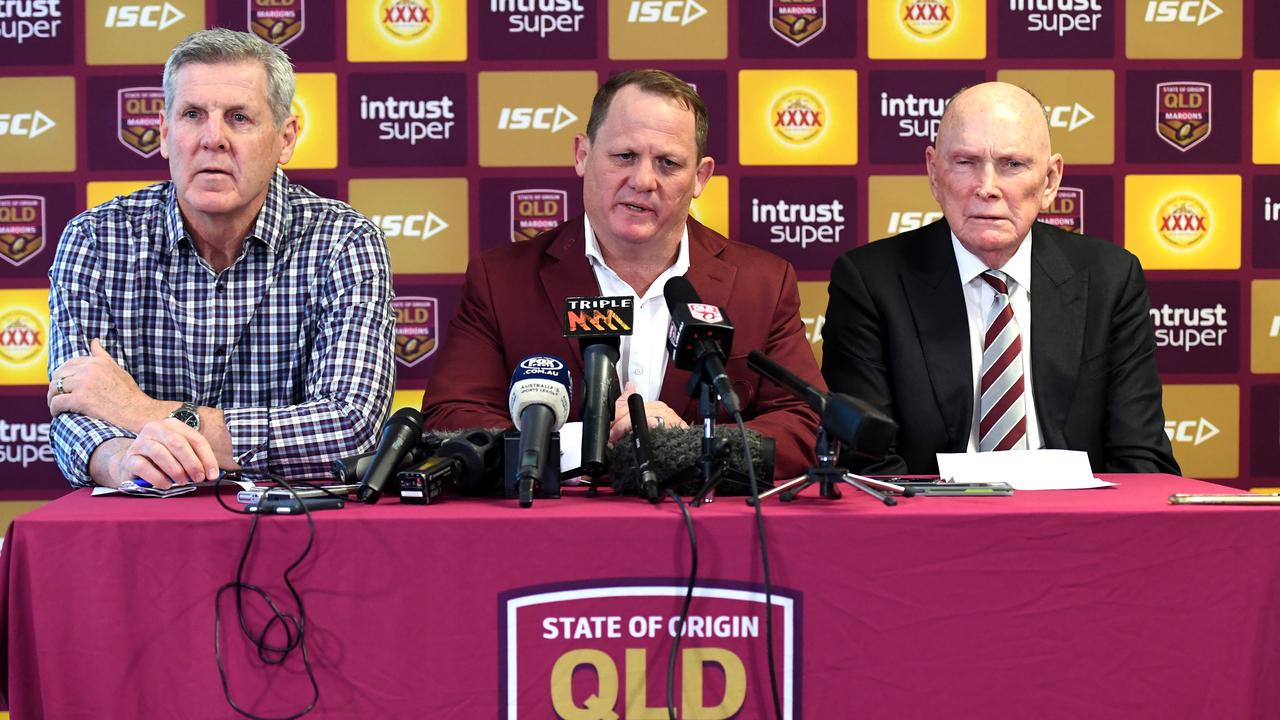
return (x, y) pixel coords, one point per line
(225, 318)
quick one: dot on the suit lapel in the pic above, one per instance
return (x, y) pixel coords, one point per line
(567, 273)
(713, 279)
(1058, 293)
(932, 286)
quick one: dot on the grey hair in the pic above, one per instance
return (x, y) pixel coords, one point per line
(222, 45)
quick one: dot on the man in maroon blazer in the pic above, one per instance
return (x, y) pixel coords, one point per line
(642, 160)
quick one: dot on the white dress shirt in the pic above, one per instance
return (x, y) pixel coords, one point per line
(642, 357)
(978, 299)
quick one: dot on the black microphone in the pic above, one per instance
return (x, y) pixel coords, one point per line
(642, 446)
(599, 324)
(862, 428)
(699, 338)
(469, 460)
(349, 470)
(539, 402)
(399, 435)
(676, 449)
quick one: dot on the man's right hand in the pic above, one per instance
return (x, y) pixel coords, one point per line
(165, 453)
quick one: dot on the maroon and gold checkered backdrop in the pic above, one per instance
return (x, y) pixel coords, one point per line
(450, 122)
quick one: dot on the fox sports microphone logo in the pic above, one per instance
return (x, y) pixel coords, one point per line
(541, 364)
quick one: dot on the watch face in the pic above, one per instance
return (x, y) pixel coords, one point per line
(188, 417)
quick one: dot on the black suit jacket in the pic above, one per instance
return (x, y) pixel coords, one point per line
(897, 336)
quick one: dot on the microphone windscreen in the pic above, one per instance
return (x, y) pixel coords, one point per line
(675, 449)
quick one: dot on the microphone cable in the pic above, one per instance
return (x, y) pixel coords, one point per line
(294, 626)
(764, 561)
(684, 608)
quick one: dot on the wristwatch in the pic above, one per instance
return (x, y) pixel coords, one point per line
(187, 415)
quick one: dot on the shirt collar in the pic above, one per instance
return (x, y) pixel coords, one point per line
(679, 267)
(270, 227)
(1018, 268)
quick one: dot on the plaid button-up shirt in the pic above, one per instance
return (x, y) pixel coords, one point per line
(293, 341)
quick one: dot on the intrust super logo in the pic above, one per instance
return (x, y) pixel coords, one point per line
(424, 220)
(530, 118)
(601, 651)
(400, 119)
(548, 29)
(1196, 325)
(1203, 424)
(806, 220)
(279, 22)
(30, 20)
(797, 117)
(22, 227)
(24, 337)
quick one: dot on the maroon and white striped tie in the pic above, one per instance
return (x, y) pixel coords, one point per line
(1004, 415)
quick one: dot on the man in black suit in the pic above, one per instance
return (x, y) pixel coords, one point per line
(920, 323)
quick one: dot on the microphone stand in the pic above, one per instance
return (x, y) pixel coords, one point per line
(710, 464)
(828, 476)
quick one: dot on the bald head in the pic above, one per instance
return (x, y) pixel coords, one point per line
(992, 169)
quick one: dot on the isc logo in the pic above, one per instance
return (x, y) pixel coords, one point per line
(28, 125)
(1069, 117)
(411, 226)
(813, 328)
(1186, 11)
(902, 221)
(665, 11)
(544, 118)
(147, 16)
(1190, 431)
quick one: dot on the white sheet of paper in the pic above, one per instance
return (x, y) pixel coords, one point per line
(1022, 469)
(571, 450)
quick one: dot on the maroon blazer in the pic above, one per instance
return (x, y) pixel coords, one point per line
(512, 307)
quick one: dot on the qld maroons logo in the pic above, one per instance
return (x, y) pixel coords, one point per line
(138, 111)
(417, 328)
(798, 21)
(1067, 210)
(22, 231)
(536, 211)
(1183, 221)
(1183, 113)
(279, 22)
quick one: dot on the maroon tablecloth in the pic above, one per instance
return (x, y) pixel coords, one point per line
(1080, 604)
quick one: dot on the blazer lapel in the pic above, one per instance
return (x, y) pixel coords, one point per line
(1058, 293)
(932, 286)
(567, 273)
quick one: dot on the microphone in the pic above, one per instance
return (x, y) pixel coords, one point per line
(469, 460)
(349, 470)
(599, 324)
(676, 449)
(399, 435)
(539, 403)
(699, 337)
(862, 428)
(642, 445)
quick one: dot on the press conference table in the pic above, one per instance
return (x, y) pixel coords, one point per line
(1054, 604)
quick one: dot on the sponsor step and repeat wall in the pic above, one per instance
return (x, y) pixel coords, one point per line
(450, 124)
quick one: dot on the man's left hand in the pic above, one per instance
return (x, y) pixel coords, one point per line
(96, 386)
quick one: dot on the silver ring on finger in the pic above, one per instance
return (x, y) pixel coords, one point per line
(662, 422)
(58, 385)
